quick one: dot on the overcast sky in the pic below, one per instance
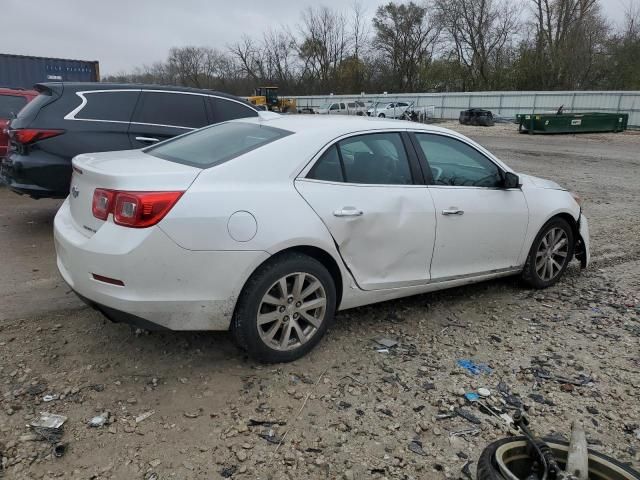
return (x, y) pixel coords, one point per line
(123, 34)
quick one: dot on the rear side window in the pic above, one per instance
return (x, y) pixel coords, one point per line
(217, 144)
(229, 110)
(10, 105)
(171, 109)
(328, 167)
(111, 106)
(376, 159)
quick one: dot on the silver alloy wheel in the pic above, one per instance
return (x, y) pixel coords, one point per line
(552, 254)
(291, 311)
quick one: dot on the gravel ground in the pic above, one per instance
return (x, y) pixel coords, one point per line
(189, 405)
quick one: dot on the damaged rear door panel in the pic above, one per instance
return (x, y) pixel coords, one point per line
(368, 191)
(390, 243)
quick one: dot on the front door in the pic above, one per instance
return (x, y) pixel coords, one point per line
(382, 221)
(480, 225)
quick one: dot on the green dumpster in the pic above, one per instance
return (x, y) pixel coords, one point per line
(590, 122)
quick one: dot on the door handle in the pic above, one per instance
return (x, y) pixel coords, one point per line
(147, 139)
(348, 212)
(452, 211)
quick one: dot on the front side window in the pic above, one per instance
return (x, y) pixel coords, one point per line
(217, 144)
(378, 159)
(112, 106)
(454, 163)
(171, 109)
(334, 106)
(342, 107)
(10, 105)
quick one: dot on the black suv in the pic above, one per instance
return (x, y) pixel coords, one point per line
(67, 119)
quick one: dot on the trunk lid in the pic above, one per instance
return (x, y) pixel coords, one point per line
(130, 170)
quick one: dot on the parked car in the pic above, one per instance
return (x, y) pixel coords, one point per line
(11, 102)
(388, 109)
(67, 119)
(477, 116)
(264, 227)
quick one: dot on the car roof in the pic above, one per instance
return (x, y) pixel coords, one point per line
(336, 125)
(78, 86)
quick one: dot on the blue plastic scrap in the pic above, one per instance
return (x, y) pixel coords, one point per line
(472, 396)
(472, 367)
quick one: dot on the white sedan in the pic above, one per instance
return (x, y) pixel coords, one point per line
(388, 109)
(267, 227)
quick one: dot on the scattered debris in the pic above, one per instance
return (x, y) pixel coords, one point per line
(473, 368)
(271, 437)
(415, 446)
(470, 417)
(49, 426)
(59, 450)
(143, 416)
(99, 420)
(265, 423)
(386, 342)
(484, 392)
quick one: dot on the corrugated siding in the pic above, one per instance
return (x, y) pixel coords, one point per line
(21, 71)
(506, 104)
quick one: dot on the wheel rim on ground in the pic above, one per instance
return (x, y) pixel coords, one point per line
(552, 254)
(291, 311)
(513, 461)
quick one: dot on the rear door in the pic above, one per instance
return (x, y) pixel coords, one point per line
(160, 115)
(368, 192)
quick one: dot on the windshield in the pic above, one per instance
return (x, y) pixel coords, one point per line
(325, 106)
(216, 144)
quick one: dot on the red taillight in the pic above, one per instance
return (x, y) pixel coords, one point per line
(31, 135)
(133, 209)
(102, 203)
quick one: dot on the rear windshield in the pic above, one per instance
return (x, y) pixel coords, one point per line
(216, 144)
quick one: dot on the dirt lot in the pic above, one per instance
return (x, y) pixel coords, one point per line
(347, 410)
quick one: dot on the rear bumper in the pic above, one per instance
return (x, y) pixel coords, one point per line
(39, 175)
(165, 285)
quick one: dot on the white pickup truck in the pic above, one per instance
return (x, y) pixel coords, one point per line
(342, 108)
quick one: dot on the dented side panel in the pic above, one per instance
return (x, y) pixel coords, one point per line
(390, 244)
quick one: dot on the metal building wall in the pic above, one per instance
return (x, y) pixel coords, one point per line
(505, 104)
(23, 71)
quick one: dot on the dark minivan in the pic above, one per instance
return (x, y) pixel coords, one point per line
(67, 119)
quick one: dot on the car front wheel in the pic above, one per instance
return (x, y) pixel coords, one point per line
(285, 309)
(550, 254)
(382, 115)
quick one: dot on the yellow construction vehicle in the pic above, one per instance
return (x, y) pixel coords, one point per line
(267, 97)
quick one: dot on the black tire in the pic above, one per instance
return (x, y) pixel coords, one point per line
(529, 274)
(382, 115)
(244, 325)
(487, 468)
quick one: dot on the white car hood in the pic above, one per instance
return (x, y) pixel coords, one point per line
(538, 182)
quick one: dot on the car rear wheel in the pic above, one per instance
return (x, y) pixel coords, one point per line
(550, 254)
(285, 309)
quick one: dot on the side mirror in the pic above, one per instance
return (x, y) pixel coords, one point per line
(511, 180)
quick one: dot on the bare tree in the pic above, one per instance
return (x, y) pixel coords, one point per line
(323, 45)
(569, 36)
(406, 37)
(480, 32)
